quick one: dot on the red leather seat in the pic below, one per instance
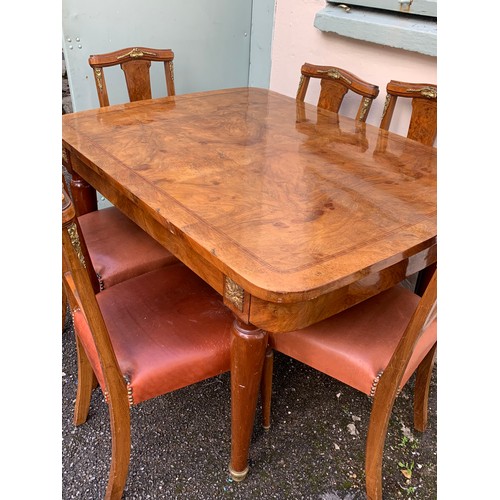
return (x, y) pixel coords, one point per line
(168, 328)
(119, 248)
(356, 345)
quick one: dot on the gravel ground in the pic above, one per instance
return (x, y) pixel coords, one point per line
(181, 442)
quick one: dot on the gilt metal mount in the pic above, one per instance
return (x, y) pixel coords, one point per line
(335, 73)
(75, 241)
(136, 53)
(429, 92)
(98, 77)
(234, 293)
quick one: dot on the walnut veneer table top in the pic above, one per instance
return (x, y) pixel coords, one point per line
(288, 201)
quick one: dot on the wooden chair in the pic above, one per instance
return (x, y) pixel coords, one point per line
(335, 83)
(422, 126)
(118, 248)
(136, 64)
(423, 121)
(139, 339)
(374, 347)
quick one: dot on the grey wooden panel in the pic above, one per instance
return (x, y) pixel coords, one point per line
(211, 42)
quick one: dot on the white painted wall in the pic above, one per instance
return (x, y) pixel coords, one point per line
(210, 40)
(296, 41)
(260, 43)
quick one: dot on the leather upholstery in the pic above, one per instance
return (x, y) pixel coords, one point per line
(357, 344)
(119, 248)
(169, 329)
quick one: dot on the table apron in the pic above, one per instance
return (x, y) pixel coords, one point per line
(287, 317)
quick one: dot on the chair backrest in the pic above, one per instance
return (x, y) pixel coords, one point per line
(136, 64)
(81, 296)
(423, 121)
(335, 83)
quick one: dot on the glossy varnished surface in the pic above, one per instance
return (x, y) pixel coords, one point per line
(292, 213)
(290, 202)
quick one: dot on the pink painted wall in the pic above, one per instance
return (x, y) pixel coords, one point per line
(296, 41)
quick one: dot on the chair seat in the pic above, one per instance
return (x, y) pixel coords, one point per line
(119, 248)
(136, 312)
(355, 346)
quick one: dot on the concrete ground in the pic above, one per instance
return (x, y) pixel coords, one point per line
(181, 442)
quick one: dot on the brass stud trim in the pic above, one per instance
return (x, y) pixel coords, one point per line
(375, 382)
(130, 395)
(101, 281)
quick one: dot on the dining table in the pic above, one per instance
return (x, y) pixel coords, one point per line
(291, 212)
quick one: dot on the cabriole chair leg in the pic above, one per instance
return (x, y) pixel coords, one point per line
(87, 382)
(375, 441)
(119, 413)
(266, 388)
(422, 385)
(64, 307)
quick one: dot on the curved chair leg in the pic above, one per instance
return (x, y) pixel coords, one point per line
(266, 388)
(422, 384)
(64, 307)
(375, 441)
(86, 383)
(119, 413)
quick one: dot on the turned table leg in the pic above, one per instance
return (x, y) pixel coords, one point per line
(83, 194)
(248, 348)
